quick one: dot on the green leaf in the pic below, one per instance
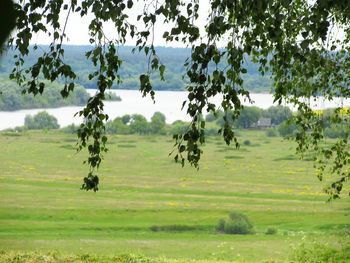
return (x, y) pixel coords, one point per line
(182, 148)
(130, 4)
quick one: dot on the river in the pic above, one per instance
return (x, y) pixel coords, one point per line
(167, 102)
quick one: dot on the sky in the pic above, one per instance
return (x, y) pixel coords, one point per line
(77, 28)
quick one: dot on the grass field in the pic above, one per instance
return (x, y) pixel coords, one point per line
(42, 209)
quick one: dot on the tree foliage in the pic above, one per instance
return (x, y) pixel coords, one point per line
(158, 123)
(10, 99)
(250, 115)
(139, 124)
(135, 64)
(40, 121)
(278, 114)
(293, 40)
(236, 223)
(7, 20)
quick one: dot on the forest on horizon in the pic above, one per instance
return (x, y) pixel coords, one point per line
(135, 64)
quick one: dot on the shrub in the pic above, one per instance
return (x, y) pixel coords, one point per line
(117, 126)
(40, 121)
(19, 129)
(271, 132)
(133, 258)
(175, 228)
(271, 231)
(247, 142)
(211, 132)
(337, 131)
(158, 123)
(178, 127)
(139, 124)
(320, 252)
(55, 257)
(16, 130)
(10, 133)
(236, 227)
(287, 129)
(72, 128)
(221, 225)
(237, 223)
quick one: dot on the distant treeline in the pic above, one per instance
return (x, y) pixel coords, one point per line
(279, 116)
(250, 116)
(138, 124)
(135, 64)
(11, 97)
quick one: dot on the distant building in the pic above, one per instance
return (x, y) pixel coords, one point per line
(264, 123)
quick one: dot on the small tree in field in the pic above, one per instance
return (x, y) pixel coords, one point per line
(139, 124)
(41, 121)
(157, 124)
(236, 223)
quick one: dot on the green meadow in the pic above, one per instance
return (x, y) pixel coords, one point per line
(150, 209)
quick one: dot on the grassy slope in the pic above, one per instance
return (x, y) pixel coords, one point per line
(42, 208)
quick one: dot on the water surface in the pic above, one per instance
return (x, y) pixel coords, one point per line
(167, 102)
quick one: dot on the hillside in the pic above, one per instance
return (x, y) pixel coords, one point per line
(135, 64)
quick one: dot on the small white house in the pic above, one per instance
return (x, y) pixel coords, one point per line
(264, 123)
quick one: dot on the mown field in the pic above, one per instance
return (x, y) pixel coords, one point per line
(44, 215)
